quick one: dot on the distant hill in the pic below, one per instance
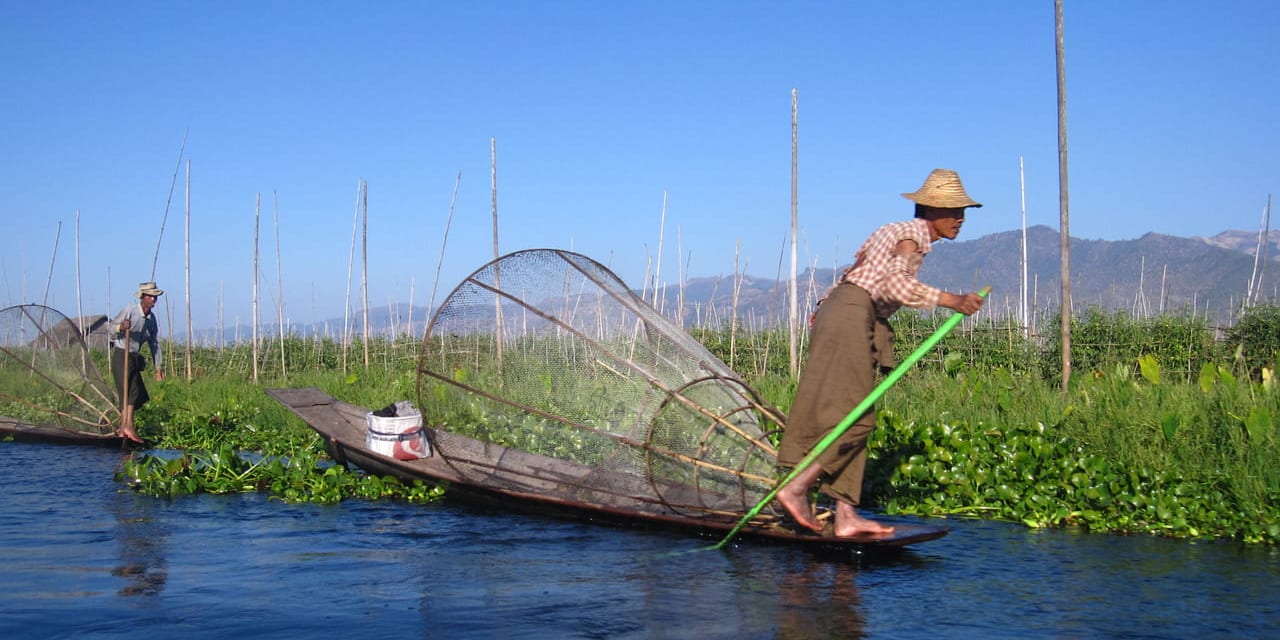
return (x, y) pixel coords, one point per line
(1145, 276)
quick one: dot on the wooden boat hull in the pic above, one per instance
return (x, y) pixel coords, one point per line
(20, 431)
(491, 473)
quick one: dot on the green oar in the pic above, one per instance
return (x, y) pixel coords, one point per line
(857, 412)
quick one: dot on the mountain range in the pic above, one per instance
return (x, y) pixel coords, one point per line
(1153, 274)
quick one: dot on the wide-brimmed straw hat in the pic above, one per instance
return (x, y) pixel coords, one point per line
(942, 189)
(149, 289)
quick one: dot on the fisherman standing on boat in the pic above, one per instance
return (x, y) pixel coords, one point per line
(850, 338)
(134, 325)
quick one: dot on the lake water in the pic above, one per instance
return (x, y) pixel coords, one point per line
(83, 558)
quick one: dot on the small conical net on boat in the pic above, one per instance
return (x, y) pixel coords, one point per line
(48, 376)
(548, 352)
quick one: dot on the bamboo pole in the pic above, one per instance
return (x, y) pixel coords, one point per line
(351, 256)
(53, 259)
(1063, 208)
(79, 306)
(657, 265)
(681, 274)
(165, 218)
(448, 223)
(1022, 192)
(125, 413)
(1266, 246)
(793, 323)
(408, 329)
(497, 277)
(1259, 261)
(364, 267)
(222, 310)
(284, 372)
(187, 268)
(254, 335)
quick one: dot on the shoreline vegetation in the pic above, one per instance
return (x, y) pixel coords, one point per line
(1169, 426)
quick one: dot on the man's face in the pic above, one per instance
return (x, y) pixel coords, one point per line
(946, 222)
(148, 302)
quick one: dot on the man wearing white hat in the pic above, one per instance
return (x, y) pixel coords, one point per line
(133, 326)
(850, 338)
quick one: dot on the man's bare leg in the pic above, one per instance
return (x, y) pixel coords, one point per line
(126, 424)
(794, 497)
(849, 523)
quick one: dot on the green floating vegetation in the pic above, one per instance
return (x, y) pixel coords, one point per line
(1169, 426)
(1120, 453)
(301, 478)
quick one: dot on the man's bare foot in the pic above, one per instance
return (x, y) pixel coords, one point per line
(797, 504)
(862, 528)
(850, 524)
(130, 433)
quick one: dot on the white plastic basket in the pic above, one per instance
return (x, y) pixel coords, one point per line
(401, 437)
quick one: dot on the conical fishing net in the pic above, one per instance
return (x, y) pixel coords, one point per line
(549, 352)
(47, 374)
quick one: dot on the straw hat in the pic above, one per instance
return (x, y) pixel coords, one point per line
(942, 189)
(149, 289)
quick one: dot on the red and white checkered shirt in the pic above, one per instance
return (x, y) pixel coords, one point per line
(891, 279)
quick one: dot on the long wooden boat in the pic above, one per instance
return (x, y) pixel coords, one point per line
(489, 472)
(20, 431)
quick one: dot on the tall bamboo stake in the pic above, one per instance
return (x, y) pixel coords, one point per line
(187, 268)
(351, 256)
(364, 267)
(733, 317)
(1164, 279)
(79, 306)
(794, 318)
(257, 206)
(680, 276)
(1022, 192)
(222, 311)
(53, 259)
(408, 329)
(1259, 261)
(279, 285)
(657, 265)
(443, 243)
(497, 277)
(167, 200)
(1266, 246)
(1063, 209)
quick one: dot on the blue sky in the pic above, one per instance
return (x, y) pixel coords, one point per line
(598, 110)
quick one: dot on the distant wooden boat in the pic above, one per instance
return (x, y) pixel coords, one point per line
(485, 471)
(19, 431)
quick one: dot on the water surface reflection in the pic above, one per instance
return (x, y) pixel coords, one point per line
(82, 557)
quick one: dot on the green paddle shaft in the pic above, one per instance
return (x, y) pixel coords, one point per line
(856, 413)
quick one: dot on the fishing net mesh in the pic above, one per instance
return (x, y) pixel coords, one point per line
(48, 376)
(548, 352)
